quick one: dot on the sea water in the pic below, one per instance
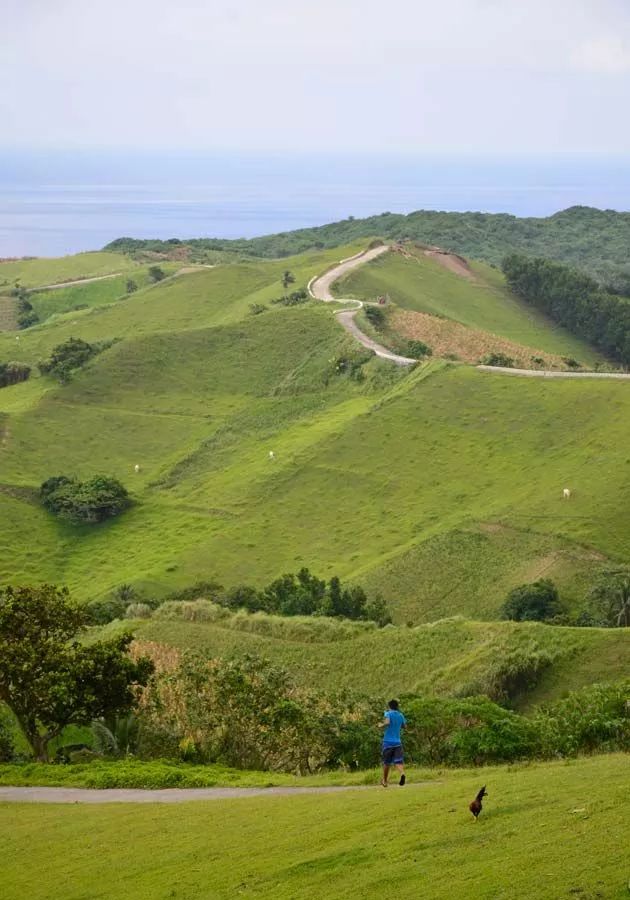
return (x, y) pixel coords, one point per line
(56, 203)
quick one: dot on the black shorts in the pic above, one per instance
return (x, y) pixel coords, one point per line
(393, 756)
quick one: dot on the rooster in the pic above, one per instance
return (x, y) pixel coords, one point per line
(475, 807)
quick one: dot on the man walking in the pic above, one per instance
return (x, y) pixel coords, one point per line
(393, 722)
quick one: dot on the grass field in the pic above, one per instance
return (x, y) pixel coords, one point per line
(95, 293)
(447, 657)
(547, 832)
(421, 284)
(441, 487)
(55, 270)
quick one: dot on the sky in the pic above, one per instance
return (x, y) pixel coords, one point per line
(457, 77)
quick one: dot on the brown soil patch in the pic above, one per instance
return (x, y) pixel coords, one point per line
(448, 338)
(456, 264)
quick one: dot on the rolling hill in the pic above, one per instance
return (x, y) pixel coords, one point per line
(440, 486)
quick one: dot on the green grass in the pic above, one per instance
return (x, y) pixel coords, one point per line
(95, 293)
(546, 832)
(55, 270)
(446, 657)
(423, 285)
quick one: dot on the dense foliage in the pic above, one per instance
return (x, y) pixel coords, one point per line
(47, 678)
(26, 315)
(533, 602)
(100, 497)
(595, 240)
(70, 355)
(13, 373)
(575, 301)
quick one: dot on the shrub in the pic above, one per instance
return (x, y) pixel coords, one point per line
(292, 299)
(138, 611)
(534, 602)
(156, 274)
(13, 373)
(7, 748)
(99, 498)
(512, 674)
(571, 363)
(418, 349)
(375, 316)
(255, 309)
(70, 355)
(595, 718)
(131, 286)
(498, 359)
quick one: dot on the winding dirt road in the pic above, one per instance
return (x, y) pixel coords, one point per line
(319, 288)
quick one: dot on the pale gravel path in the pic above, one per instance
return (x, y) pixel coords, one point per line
(65, 284)
(320, 289)
(545, 373)
(168, 795)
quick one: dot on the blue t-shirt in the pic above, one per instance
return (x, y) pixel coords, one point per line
(391, 738)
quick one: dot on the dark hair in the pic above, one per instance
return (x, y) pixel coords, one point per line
(393, 704)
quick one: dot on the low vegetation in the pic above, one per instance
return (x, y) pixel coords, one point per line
(93, 500)
(69, 356)
(13, 373)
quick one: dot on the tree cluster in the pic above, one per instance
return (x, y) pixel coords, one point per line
(100, 497)
(13, 373)
(575, 301)
(306, 595)
(26, 314)
(47, 678)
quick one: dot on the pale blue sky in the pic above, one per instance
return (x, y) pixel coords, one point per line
(463, 76)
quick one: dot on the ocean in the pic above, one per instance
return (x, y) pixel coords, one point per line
(57, 203)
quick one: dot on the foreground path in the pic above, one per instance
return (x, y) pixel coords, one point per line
(319, 288)
(167, 795)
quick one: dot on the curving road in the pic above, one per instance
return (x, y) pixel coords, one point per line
(320, 289)
(547, 373)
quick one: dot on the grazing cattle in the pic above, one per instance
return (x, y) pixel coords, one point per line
(136, 468)
(566, 493)
(272, 455)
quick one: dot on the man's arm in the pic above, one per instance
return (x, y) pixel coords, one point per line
(384, 723)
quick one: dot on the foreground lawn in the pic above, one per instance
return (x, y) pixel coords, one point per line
(547, 831)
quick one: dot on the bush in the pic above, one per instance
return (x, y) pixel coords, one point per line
(498, 359)
(70, 355)
(293, 299)
(418, 349)
(536, 602)
(131, 286)
(13, 373)
(95, 500)
(595, 718)
(156, 274)
(255, 309)
(375, 316)
(138, 611)
(7, 748)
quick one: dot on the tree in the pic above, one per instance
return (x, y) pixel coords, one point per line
(612, 597)
(156, 273)
(287, 279)
(131, 286)
(66, 357)
(532, 602)
(47, 678)
(100, 497)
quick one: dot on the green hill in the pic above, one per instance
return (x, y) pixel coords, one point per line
(591, 239)
(546, 832)
(441, 487)
(416, 282)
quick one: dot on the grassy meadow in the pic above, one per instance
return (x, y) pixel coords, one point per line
(482, 302)
(441, 487)
(39, 271)
(546, 832)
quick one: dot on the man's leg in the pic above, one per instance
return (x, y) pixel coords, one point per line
(401, 769)
(385, 774)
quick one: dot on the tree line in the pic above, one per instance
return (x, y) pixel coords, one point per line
(575, 301)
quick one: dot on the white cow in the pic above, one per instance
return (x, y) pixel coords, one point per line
(566, 493)
(272, 455)
(136, 468)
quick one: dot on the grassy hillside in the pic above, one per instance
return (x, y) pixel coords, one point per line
(95, 293)
(481, 302)
(591, 239)
(55, 270)
(441, 486)
(544, 834)
(448, 657)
